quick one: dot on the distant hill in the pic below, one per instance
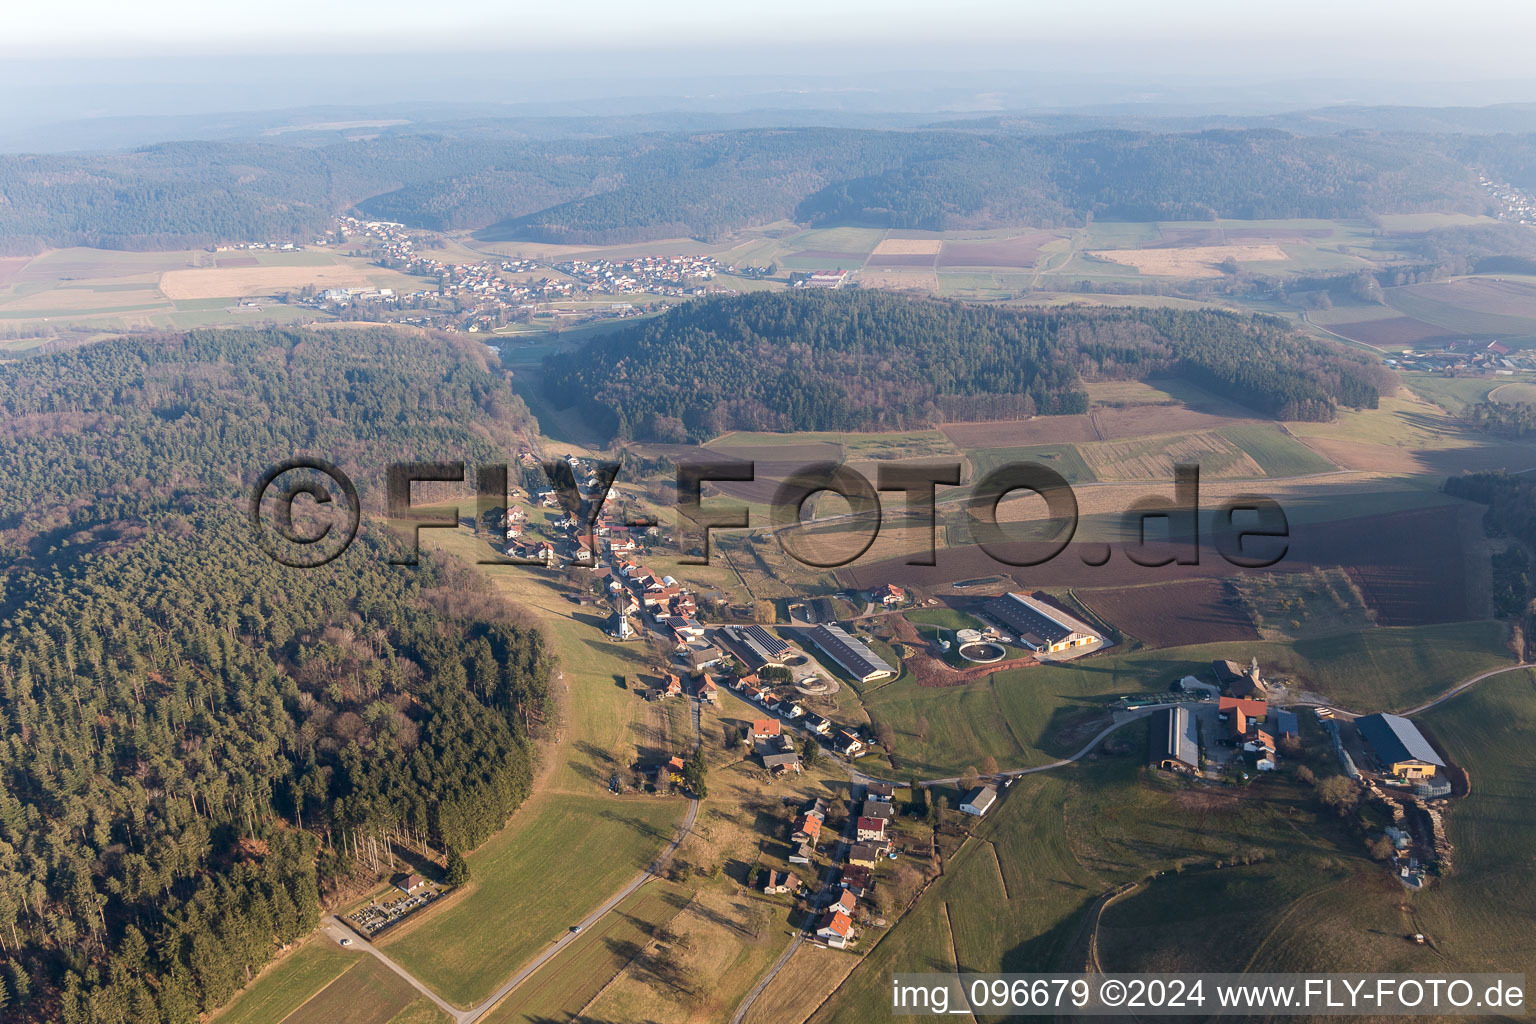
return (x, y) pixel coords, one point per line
(707, 184)
(862, 360)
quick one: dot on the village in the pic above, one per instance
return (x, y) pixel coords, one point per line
(1225, 728)
(489, 294)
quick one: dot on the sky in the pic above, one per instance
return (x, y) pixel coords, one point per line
(76, 61)
(1469, 38)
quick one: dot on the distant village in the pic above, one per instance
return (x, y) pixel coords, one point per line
(489, 294)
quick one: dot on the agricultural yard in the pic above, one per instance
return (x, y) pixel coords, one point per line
(1027, 716)
(1015, 896)
(1258, 879)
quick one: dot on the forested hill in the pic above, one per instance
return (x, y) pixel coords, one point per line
(865, 360)
(706, 184)
(195, 741)
(135, 421)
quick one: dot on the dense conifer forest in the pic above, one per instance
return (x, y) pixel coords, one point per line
(196, 742)
(865, 360)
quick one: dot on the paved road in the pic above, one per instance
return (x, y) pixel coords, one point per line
(340, 931)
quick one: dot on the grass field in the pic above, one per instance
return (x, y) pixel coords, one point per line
(512, 893)
(564, 988)
(1481, 918)
(945, 618)
(1277, 453)
(1065, 459)
(288, 984)
(1513, 393)
(1454, 394)
(1014, 898)
(369, 993)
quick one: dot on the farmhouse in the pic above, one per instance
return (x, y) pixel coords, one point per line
(1239, 680)
(979, 800)
(1399, 746)
(851, 655)
(781, 764)
(1241, 713)
(780, 881)
(1039, 626)
(1175, 741)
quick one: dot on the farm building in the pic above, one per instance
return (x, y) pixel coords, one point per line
(850, 654)
(782, 763)
(756, 647)
(1399, 746)
(1039, 626)
(979, 800)
(1239, 680)
(1175, 742)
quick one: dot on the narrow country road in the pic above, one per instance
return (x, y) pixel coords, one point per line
(828, 874)
(339, 932)
(338, 929)
(1453, 691)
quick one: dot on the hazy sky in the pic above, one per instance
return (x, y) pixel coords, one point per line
(1467, 39)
